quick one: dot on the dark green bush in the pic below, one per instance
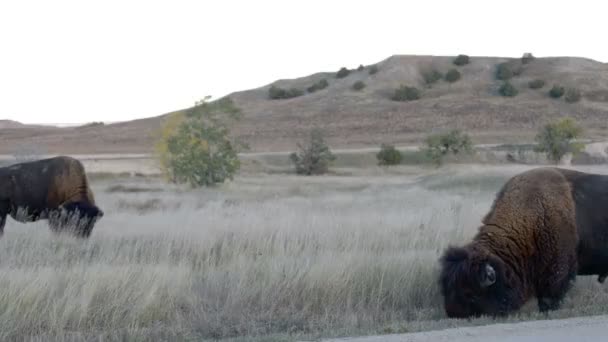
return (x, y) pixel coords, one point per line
(373, 69)
(405, 93)
(453, 142)
(359, 85)
(277, 93)
(536, 84)
(452, 75)
(322, 84)
(431, 76)
(315, 157)
(507, 89)
(343, 72)
(461, 60)
(527, 58)
(361, 67)
(572, 95)
(557, 91)
(504, 71)
(388, 155)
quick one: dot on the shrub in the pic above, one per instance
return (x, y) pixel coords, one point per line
(361, 67)
(373, 69)
(452, 75)
(343, 72)
(388, 155)
(405, 93)
(527, 58)
(322, 84)
(536, 84)
(315, 157)
(431, 76)
(572, 95)
(453, 142)
(277, 93)
(558, 138)
(359, 85)
(504, 71)
(557, 91)
(92, 124)
(195, 146)
(461, 60)
(508, 90)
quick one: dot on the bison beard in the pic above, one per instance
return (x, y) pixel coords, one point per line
(55, 189)
(545, 226)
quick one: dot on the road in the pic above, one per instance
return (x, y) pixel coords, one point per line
(580, 329)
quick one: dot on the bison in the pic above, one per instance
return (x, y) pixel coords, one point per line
(545, 227)
(55, 189)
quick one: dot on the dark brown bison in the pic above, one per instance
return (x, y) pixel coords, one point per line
(55, 189)
(545, 226)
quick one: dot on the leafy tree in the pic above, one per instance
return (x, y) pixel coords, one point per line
(504, 71)
(461, 60)
(373, 69)
(359, 85)
(195, 146)
(572, 95)
(453, 142)
(558, 138)
(536, 84)
(315, 157)
(276, 93)
(508, 90)
(388, 155)
(405, 93)
(452, 75)
(557, 91)
(431, 76)
(343, 72)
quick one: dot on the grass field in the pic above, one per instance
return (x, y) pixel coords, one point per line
(267, 257)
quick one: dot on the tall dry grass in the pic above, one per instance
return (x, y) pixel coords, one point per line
(273, 257)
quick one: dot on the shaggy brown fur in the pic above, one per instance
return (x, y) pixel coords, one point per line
(56, 189)
(545, 226)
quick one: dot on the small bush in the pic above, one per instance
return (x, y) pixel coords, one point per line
(388, 155)
(361, 67)
(343, 72)
(536, 84)
(431, 76)
(527, 58)
(508, 90)
(277, 93)
(557, 91)
(452, 75)
(504, 71)
(461, 60)
(558, 138)
(405, 93)
(454, 142)
(322, 84)
(315, 157)
(572, 95)
(373, 69)
(359, 85)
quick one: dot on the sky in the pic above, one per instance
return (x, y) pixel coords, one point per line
(80, 61)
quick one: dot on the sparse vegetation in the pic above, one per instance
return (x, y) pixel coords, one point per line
(343, 72)
(461, 60)
(196, 147)
(558, 138)
(431, 76)
(92, 124)
(536, 84)
(373, 69)
(359, 85)
(322, 84)
(452, 75)
(454, 142)
(572, 95)
(527, 58)
(277, 93)
(406, 93)
(504, 71)
(388, 155)
(508, 90)
(557, 91)
(314, 157)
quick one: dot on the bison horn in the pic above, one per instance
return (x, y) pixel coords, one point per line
(488, 276)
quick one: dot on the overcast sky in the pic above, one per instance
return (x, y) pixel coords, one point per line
(79, 61)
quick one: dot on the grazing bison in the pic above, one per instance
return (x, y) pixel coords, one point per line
(55, 189)
(545, 226)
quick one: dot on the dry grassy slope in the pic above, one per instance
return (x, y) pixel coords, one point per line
(369, 117)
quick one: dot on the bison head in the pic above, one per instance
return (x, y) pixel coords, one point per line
(473, 284)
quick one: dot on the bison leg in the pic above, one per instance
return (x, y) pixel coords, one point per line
(554, 287)
(2, 223)
(78, 217)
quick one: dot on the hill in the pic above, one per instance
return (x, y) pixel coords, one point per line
(368, 117)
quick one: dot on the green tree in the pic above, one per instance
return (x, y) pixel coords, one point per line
(557, 91)
(536, 84)
(277, 93)
(431, 76)
(405, 93)
(313, 158)
(504, 71)
(373, 69)
(359, 85)
(322, 84)
(507, 89)
(343, 72)
(388, 155)
(461, 60)
(195, 145)
(454, 142)
(452, 75)
(558, 138)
